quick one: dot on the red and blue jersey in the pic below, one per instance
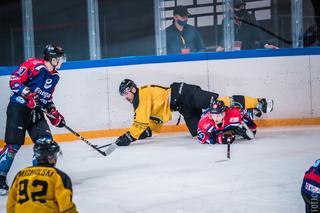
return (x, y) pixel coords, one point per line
(33, 74)
(311, 180)
(209, 131)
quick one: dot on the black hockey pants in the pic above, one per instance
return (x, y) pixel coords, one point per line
(189, 100)
(21, 119)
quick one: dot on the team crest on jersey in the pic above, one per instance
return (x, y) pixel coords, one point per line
(48, 83)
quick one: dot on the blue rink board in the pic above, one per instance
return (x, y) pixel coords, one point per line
(134, 60)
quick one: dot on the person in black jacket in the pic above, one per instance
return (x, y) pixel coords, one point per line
(311, 36)
(182, 37)
(247, 32)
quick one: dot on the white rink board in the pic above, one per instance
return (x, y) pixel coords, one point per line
(283, 79)
(89, 98)
(315, 85)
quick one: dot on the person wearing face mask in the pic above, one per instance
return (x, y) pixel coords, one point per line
(311, 36)
(182, 37)
(247, 32)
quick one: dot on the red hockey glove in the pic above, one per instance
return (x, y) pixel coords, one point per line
(31, 98)
(56, 118)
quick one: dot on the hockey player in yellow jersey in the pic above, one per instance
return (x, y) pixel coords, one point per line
(42, 188)
(153, 105)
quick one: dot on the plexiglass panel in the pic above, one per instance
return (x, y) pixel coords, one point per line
(64, 23)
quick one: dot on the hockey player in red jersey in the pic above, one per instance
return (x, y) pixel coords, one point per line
(220, 124)
(310, 189)
(32, 85)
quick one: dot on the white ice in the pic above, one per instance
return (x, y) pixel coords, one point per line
(172, 173)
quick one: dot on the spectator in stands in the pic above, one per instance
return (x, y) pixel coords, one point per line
(312, 35)
(182, 37)
(248, 34)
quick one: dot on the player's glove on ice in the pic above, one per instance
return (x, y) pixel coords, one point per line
(125, 139)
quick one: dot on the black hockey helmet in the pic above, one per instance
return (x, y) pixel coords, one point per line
(45, 148)
(217, 107)
(51, 51)
(126, 85)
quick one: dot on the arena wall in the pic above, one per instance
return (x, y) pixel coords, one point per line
(87, 94)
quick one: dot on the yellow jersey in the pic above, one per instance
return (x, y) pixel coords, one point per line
(41, 189)
(151, 105)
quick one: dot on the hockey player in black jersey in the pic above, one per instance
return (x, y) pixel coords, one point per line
(42, 188)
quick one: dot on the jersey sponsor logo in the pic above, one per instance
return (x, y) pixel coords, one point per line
(36, 62)
(312, 188)
(21, 71)
(234, 119)
(207, 125)
(48, 83)
(42, 93)
(43, 101)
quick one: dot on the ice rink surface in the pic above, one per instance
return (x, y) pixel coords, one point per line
(172, 173)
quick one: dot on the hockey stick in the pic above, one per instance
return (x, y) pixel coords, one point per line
(86, 141)
(228, 149)
(95, 147)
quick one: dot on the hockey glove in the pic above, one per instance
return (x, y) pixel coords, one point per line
(146, 133)
(56, 118)
(125, 139)
(31, 98)
(228, 137)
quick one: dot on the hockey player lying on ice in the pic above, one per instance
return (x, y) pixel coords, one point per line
(153, 105)
(220, 124)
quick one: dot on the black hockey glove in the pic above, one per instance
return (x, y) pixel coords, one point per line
(146, 133)
(228, 137)
(125, 139)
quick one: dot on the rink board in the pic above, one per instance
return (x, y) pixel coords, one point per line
(87, 94)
